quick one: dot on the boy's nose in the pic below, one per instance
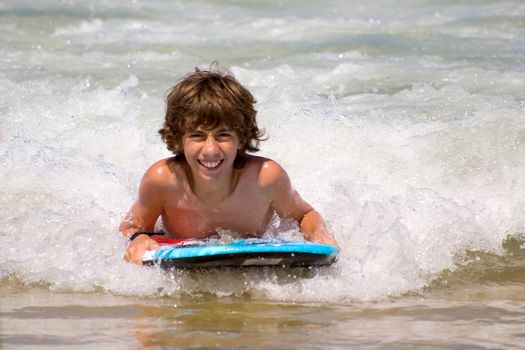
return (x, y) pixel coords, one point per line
(210, 145)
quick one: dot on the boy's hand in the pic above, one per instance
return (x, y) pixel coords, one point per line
(138, 247)
(324, 238)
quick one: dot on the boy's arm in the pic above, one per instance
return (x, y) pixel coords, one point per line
(143, 215)
(146, 210)
(288, 204)
(314, 229)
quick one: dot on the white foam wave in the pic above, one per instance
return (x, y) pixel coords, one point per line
(93, 26)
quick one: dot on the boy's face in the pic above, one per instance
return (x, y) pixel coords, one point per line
(210, 153)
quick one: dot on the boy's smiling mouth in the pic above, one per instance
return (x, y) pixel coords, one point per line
(210, 164)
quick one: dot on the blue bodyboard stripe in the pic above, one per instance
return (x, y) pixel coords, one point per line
(245, 247)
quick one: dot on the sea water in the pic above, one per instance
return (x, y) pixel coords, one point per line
(403, 123)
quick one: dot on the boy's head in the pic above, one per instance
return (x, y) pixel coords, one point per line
(208, 99)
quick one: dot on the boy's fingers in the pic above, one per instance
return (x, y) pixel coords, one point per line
(154, 245)
(136, 251)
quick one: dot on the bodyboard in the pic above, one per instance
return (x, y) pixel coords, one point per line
(245, 252)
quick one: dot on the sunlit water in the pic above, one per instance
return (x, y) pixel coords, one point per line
(402, 123)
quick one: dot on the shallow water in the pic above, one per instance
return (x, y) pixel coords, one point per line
(402, 123)
(486, 318)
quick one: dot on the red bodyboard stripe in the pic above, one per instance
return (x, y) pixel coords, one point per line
(164, 240)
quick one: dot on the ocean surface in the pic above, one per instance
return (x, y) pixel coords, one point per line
(402, 122)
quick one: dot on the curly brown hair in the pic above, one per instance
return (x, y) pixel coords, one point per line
(208, 99)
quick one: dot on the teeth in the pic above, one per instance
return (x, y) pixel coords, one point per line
(210, 164)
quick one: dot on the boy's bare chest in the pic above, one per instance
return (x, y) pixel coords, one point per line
(246, 214)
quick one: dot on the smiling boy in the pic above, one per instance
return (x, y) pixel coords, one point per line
(212, 183)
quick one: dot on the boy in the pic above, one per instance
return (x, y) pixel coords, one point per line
(212, 183)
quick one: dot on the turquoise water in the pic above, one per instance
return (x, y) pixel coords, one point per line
(403, 123)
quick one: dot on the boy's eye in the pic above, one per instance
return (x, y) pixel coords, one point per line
(196, 135)
(224, 135)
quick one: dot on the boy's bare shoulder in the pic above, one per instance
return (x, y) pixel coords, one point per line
(166, 171)
(268, 171)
